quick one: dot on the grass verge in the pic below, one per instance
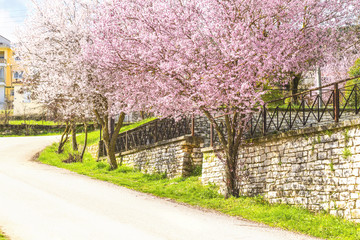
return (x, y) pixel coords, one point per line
(93, 137)
(191, 191)
(34, 122)
(42, 134)
(137, 124)
(2, 236)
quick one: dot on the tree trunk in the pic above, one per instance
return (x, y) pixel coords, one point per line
(111, 155)
(230, 141)
(294, 86)
(73, 137)
(64, 138)
(110, 141)
(85, 142)
(142, 114)
(231, 172)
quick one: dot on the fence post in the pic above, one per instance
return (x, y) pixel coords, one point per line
(211, 135)
(264, 119)
(126, 141)
(111, 126)
(356, 108)
(336, 102)
(100, 131)
(303, 108)
(193, 125)
(156, 131)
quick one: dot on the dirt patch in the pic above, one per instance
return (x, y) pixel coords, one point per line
(35, 158)
(72, 158)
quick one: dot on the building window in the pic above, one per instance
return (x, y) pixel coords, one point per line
(12, 92)
(2, 74)
(18, 75)
(26, 97)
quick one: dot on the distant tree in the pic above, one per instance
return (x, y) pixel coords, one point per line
(355, 69)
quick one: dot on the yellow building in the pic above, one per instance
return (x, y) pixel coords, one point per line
(10, 73)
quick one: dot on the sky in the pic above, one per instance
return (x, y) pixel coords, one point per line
(12, 15)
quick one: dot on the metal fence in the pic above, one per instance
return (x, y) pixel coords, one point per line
(314, 107)
(310, 108)
(152, 132)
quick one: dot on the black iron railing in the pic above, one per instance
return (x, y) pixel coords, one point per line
(314, 107)
(152, 132)
(317, 106)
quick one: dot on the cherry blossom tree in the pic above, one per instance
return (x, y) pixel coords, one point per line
(51, 47)
(48, 48)
(212, 56)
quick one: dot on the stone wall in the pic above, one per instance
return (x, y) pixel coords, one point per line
(176, 157)
(317, 168)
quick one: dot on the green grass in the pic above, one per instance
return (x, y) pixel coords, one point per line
(42, 134)
(52, 123)
(346, 153)
(33, 122)
(191, 191)
(2, 236)
(93, 136)
(137, 124)
(29, 132)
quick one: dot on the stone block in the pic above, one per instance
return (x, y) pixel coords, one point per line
(344, 196)
(322, 155)
(347, 213)
(340, 204)
(356, 164)
(325, 206)
(333, 212)
(331, 145)
(355, 214)
(351, 181)
(350, 205)
(351, 188)
(354, 196)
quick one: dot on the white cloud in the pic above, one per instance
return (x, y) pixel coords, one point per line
(11, 17)
(8, 25)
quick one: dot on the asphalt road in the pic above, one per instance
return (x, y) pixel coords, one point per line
(42, 202)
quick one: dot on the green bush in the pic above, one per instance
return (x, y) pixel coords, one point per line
(354, 71)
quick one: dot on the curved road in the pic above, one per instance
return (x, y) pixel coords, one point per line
(42, 202)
